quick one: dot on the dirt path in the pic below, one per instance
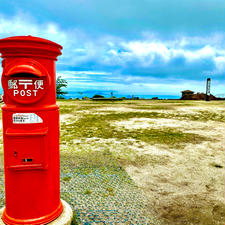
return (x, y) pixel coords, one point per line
(189, 188)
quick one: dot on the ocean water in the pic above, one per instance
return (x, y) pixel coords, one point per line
(90, 94)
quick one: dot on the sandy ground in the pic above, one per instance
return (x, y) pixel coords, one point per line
(187, 187)
(190, 183)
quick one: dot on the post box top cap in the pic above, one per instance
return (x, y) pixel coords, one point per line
(29, 38)
(29, 45)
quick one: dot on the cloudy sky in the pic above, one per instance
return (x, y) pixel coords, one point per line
(141, 47)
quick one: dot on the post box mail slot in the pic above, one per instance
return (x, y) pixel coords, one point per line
(25, 80)
(30, 130)
(31, 156)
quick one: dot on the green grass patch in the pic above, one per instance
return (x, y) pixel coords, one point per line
(110, 191)
(75, 220)
(67, 109)
(87, 192)
(66, 178)
(206, 116)
(155, 107)
(99, 126)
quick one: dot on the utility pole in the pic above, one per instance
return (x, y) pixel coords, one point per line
(208, 89)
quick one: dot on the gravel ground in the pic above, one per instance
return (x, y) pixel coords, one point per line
(100, 196)
(104, 196)
(2, 191)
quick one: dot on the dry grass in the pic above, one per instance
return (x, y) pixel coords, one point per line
(172, 150)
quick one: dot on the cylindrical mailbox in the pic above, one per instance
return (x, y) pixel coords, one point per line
(30, 130)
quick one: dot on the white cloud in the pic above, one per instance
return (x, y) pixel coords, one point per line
(22, 25)
(145, 49)
(220, 63)
(142, 87)
(81, 48)
(117, 54)
(149, 53)
(195, 55)
(85, 73)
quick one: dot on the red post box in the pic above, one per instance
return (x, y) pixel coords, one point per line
(30, 130)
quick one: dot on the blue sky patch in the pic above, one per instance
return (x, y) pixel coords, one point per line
(147, 47)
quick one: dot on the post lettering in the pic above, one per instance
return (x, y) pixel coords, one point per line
(15, 92)
(28, 92)
(22, 93)
(35, 92)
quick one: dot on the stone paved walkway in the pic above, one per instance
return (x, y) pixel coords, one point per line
(103, 197)
(100, 196)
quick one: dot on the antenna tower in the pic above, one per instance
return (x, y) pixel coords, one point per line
(208, 83)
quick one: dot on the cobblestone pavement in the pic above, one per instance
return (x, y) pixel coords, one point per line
(100, 196)
(2, 191)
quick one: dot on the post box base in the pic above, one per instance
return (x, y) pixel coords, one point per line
(64, 219)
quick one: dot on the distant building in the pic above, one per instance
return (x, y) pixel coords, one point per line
(187, 94)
